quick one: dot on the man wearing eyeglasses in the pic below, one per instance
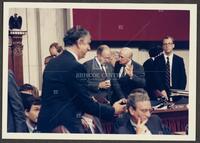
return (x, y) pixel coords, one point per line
(139, 119)
(170, 69)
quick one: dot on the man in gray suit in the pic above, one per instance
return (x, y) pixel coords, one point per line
(102, 82)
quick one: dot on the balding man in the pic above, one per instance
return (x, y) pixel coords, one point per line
(130, 73)
(101, 81)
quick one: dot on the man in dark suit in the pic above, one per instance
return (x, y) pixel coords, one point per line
(102, 82)
(130, 73)
(149, 69)
(16, 116)
(64, 91)
(169, 69)
(140, 120)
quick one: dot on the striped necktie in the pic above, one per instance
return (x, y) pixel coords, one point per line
(167, 82)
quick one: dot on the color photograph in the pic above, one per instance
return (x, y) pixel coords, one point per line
(99, 71)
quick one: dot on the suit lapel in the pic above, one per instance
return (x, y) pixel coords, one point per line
(174, 64)
(118, 67)
(130, 128)
(97, 69)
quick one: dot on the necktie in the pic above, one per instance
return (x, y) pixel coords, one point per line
(104, 75)
(167, 82)
(123, 71)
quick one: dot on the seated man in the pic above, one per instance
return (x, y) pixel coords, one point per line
(140, 120)
(130, 73)
(32, 108)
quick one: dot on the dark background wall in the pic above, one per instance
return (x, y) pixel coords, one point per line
(142, 28)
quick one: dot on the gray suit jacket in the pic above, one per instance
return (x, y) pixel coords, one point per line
(95, 75)
(16, 116)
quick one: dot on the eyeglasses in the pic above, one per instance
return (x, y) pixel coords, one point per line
(146, 110)
(165, 44)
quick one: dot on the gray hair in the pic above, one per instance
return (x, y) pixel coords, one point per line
(136, 96)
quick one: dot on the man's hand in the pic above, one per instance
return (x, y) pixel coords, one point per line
(140, 127)
(84, 123)
(104, 84)
(120, 106)
(164, 94)
(129, 70)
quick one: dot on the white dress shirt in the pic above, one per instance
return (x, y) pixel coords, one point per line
(75, 56)
(101, 66)
(122, 68)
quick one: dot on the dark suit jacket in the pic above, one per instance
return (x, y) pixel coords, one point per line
(149, 69)
(96, 76)
(65, 96)
(16, 116)
(178, 73)
(127, 84)
(154, 124)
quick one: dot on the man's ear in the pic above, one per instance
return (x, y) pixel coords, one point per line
(26, 113)
(173, 46)
(131, 111)
(79, 42)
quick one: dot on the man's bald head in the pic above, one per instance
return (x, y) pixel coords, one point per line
(126, 55)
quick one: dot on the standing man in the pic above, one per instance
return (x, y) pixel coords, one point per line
(65, 92)
(170, 69)
(130, 73)
(16, 116)
(149, 69)
(101, 79)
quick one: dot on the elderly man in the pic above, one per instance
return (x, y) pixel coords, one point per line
(130, 73)
(140, 120)
(102, 82)
(65, 94)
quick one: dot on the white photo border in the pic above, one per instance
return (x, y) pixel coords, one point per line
(52, 136)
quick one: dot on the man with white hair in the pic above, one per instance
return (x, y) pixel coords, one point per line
(130, 73)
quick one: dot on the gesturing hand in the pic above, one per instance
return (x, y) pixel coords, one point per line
(140, 127)
(129, 70)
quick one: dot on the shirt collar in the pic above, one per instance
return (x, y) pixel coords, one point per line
(129, 63)
(98, 62)
(170, 56)
(30, 127)
(75, 56)
(132, 123)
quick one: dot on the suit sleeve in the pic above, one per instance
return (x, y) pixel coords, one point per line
(138, 79)
(116, 85)
(183, 76)
(158, 76)
(16, 105)
(92, 84)
(88, 105)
